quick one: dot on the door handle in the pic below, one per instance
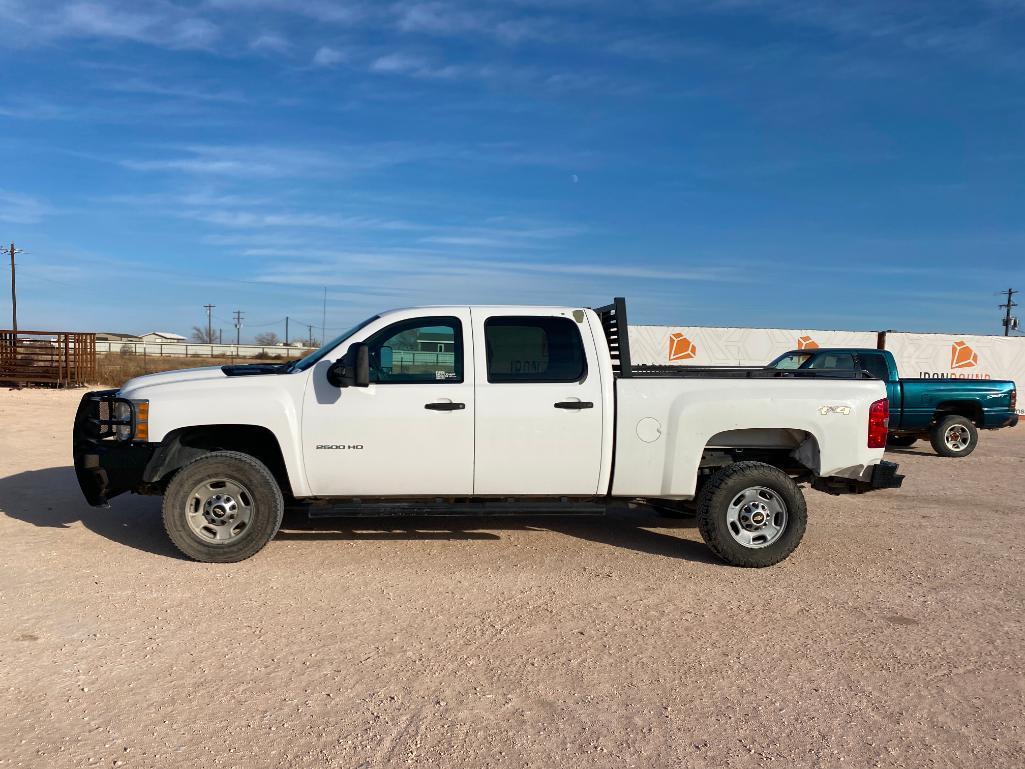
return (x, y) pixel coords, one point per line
(445, 406)
(574, 405)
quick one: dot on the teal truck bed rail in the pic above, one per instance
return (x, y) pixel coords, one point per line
(949, 412)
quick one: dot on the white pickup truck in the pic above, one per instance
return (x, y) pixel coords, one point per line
(484, 410)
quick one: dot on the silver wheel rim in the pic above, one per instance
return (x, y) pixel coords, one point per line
(219, 510)
(756, 517)
(957, 437)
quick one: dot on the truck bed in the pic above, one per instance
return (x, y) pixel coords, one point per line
(614, 324)
(741, 372)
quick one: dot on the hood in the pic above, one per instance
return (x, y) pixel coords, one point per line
(173, 377)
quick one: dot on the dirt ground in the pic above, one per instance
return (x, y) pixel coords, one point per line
(893, 637)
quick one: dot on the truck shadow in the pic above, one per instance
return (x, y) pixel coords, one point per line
(50, 498)
(633, 527)
(913, 451)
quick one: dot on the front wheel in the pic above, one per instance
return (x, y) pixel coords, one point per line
(954, 436)
(752, 514)
(222, 507)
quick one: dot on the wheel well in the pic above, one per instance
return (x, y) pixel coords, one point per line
(188, 443)
(967, 409)
(794, 451)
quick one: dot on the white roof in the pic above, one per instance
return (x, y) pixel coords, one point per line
(165, 334)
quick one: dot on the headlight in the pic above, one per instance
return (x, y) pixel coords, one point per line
(136, 425)
(123, 413)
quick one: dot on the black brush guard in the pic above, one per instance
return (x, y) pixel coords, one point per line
(105, 467)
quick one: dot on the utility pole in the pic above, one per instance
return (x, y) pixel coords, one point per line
(323, 318)
(286, 331)
(238, 327)
(209, 323)
(14, 288)
(1007, 315)
(311, 340)
(220, 336)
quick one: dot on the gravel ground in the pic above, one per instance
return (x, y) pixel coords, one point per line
(892, 637)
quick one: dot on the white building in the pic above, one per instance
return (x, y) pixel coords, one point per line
(163, 337)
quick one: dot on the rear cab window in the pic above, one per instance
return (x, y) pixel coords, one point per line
(832, 361)
(875, 365)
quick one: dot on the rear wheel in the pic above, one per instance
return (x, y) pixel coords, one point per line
(752, 514)
(223, 507)
(902, 441)
(954, 436)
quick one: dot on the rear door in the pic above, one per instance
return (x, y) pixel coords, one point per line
(538, 404)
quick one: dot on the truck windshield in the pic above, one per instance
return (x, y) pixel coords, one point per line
(304, 363)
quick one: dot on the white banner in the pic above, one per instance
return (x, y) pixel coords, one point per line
(917, 355)
(960, 356)
(710, 346)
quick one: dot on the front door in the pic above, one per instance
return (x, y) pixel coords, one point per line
(539, 405)
(410, 433)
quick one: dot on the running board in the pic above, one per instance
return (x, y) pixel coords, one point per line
(447, 508)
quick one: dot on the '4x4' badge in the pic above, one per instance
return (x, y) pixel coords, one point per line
(842, 410)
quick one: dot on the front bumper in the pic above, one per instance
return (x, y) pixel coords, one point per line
(882, 476)
(105, 467)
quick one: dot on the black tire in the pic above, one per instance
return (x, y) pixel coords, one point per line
(672, 508)
(902, 441)
(260, 497)
(964, 427)
(726, 486)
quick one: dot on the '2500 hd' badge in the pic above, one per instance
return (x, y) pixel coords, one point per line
(842, 410)
(341, 446)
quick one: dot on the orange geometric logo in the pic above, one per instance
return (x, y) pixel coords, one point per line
(680, 347)
(962, 356)
(806, 343)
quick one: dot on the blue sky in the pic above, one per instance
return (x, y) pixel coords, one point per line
(719, 162)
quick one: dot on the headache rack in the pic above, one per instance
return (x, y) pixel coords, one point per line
(614, 323)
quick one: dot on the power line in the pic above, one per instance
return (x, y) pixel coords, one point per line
(14, 288)
(209, 322)
(238, 326)
(1009, 321)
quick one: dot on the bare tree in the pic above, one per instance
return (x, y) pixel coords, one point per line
(267, 339)
(203, 336)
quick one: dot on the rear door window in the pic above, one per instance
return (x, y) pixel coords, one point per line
(534, 349)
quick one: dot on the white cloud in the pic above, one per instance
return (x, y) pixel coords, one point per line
(240, 161)
(297, 219)
(140, 85)
(332, 11)
(327, 57)
(400, 63)
(159, 24)
(18, 208)
(269, 42)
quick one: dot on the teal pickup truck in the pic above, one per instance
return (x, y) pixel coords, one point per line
(949, 412)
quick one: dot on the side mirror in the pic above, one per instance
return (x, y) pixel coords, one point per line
(352, 369)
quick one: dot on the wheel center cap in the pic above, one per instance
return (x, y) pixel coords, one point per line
(219, 509)
(754, 516)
